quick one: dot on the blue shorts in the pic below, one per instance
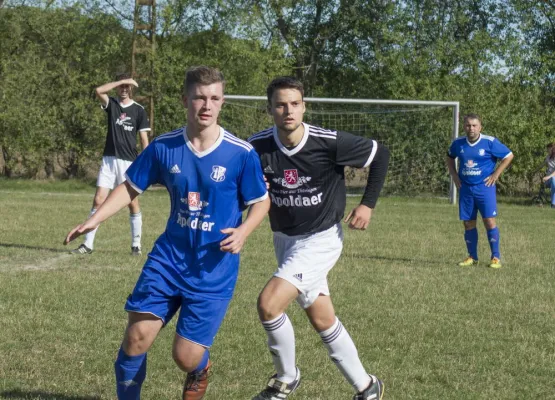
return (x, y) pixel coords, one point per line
(199, 319)
(474, 198)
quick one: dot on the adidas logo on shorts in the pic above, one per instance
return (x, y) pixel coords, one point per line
(299, 277)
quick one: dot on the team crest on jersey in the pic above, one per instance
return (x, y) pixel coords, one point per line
(470, 164)
(218, 173)
(291, 179)
(481, 152)
(194, 202)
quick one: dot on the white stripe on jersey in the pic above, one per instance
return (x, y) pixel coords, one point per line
(372, 153)
(321, 132)
(174, 133)
(235, 140)
(487, 137)
(262, 134)
(133, 185)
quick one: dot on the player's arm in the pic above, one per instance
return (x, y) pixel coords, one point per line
(360, 216)
(120, 197)
(451, 166)
(548, 177)
(143, 135)
(237, 236)
(103, 90)
(490, 180)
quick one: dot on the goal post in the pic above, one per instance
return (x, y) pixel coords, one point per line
(418, 134)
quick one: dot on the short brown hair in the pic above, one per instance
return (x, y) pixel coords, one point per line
(123, 75)
(201, 75)
(472, 116)
(284, 82)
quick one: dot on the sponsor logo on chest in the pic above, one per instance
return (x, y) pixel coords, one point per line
(291, 179)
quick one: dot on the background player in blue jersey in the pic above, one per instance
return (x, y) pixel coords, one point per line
(478, 172)
(304, 166)
(549, 178)
(126, 118)
(211, 176)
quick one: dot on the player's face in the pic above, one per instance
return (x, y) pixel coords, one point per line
(472, 127)
(287, 107)
(124, 91)
(203, 103)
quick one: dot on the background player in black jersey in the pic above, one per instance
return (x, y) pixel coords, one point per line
(125, 119)
(304, 166)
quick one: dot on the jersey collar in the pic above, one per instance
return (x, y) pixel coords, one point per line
(126, 105)
(475, 143)
(209, 150)
(295, 149)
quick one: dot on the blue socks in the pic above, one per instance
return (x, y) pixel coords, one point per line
(493, 239)
(130, 375)
(203, 363)
(471, 239)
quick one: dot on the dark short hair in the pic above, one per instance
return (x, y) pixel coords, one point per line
(201, 75)
(550, 145)
(472, 116)
(284, 82)
(123, 75)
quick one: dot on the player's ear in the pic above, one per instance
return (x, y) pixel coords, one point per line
(304, 107)
(184, 101)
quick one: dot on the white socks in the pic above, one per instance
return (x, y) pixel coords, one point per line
(136, 222)
(344, 354)
(89, 237)
(281, 341)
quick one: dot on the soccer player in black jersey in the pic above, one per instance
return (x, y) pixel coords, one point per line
(304, 167)
(126, 118)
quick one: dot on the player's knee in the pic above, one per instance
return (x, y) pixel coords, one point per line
(98, 200)
(267, 310)
(184, 360)
(136, 341)
(322, 323)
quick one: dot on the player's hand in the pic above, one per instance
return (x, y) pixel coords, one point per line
(359, 217)
(546, 178)
(267, 183)
(79, 230)
(234, 242)
(131, 82)
(490, 180)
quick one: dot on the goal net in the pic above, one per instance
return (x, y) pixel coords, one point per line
(417, 133)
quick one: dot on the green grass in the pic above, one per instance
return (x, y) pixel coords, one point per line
(429, 329)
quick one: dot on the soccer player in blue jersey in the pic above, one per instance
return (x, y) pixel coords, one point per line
(478, 172)
(211, 177)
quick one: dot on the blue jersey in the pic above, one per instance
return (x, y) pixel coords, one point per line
(477, 160)
(208, 192)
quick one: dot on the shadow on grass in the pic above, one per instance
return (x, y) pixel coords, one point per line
(393, 259)
(24, 246)
(36, 395)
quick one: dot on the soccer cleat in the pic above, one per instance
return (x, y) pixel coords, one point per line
(495, 263)
(136, 251)
(278, 390)
(196, 384)
(81, 250)
(374, 391)
(468, 262)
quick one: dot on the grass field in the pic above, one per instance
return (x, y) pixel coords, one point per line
(429, 329)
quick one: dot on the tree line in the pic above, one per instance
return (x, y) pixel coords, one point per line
(495, 58)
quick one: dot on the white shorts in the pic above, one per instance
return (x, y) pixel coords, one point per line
(112, 172)
(305, 260)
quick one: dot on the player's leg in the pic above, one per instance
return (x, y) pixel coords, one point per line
(130, 365)
(486, 201)
(468, 213)
(552, 188)
(135, 216)
(199, 321)
(150, 306)
(342, 350)
(105, 182)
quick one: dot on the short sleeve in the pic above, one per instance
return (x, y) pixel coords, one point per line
(252, 187)
(145, 170)
(499, 150)
(143, 123)
(355, 151)
(452, 152)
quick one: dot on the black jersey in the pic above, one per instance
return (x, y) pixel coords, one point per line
(307, 182)
(124, 122)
